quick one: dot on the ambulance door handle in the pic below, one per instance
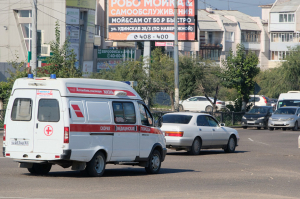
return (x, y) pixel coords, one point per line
(145, 134)
(37, 125)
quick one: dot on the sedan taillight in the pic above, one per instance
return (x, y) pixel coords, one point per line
(174, 133)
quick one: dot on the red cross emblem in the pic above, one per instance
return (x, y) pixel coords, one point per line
(48, 130)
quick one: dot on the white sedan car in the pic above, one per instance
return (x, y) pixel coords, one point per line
(199, 103)
(195, 131)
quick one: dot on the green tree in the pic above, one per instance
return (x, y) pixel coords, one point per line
(191, 73)
(128, 71)
(62, 61)
(239, 72)
(162, 74)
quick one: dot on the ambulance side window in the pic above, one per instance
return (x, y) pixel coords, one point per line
(124, 113)
(21, 110)
(146, 118)
(48, 110)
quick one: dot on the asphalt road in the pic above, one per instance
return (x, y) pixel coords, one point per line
(265, 165)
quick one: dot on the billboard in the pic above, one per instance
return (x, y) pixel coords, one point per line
(90, 4)
(72, 16)
(140, 20)
(115, 54)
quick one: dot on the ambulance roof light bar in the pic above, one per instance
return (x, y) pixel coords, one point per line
(53, 76)
(30, 76)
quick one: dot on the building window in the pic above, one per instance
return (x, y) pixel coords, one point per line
(211, 54)
(284, 18)
(24, 13)
(229, 36)
(285, 37)
(251, 36)
(27, 34)
(279, 55)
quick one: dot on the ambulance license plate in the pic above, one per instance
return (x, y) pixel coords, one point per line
(20, 142)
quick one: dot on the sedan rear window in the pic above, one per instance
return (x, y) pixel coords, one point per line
(177, 119)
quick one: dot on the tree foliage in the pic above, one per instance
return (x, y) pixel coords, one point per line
(62, 61)
(239, 72)
(19, 71)
(284, 78)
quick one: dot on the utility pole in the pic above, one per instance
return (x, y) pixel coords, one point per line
(176, 70)
(33, 62)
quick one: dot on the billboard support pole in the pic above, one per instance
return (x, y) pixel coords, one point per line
(176, 70)
(146, 59)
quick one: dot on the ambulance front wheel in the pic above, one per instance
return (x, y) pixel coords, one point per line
(154, 163)
(40, 169)
(96, 167)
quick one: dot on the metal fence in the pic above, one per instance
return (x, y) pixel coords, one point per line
(2, 114)
(229, 118)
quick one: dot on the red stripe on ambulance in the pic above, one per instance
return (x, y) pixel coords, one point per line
(77, 110)
(96, 91)
(113, 128)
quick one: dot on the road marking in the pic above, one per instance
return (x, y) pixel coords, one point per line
(258, 142)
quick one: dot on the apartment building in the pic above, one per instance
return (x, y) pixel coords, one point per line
(76, 20)
(221, 30)
(284, 26)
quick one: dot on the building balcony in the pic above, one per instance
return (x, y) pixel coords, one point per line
(208, 44)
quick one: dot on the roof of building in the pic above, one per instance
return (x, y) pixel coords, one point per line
(285, 6)
(206, 22)
(245, 21)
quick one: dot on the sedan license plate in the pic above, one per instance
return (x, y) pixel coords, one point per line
(250, 122)
(20, 142)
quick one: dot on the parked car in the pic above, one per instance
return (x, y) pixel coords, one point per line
(259, 100)
(285, 118)
(195, 131)
(256, 100)
(199, 103)
(257, 117)
(273, 102)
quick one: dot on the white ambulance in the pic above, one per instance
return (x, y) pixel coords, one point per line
(80, 123)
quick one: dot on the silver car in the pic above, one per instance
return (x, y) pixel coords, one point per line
(195, 131)
(285, 118)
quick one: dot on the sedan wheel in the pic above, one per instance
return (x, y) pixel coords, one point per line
(209, 109)
(271, 128)
(196, 147)
(181, 109)
(295, 127)
(230, 148)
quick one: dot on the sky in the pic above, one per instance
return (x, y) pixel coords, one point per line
(249, 7)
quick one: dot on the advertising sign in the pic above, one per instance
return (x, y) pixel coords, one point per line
(114, 54)
(72, 16)
(133, 20)
(72, 33)
(90, 33)
(105, 64)
(90, 4)
(75, 48)
(163, 43)
(87, 68)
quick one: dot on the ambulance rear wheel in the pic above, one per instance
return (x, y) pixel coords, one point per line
(154, 163)
(96, 167)
(40, 169)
